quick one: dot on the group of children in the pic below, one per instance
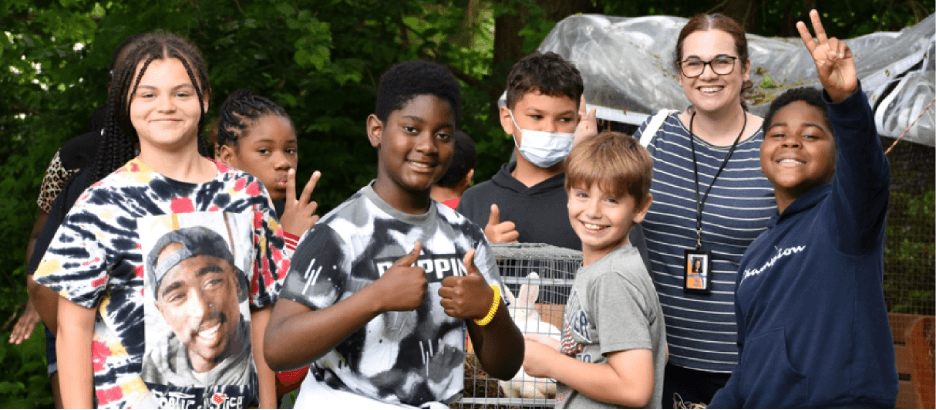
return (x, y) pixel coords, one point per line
(179, 285)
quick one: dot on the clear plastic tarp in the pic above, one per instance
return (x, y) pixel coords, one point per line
(627, 67)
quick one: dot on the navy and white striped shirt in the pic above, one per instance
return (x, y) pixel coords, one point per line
(700, 329)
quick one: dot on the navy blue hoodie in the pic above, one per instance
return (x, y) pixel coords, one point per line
(812, 324)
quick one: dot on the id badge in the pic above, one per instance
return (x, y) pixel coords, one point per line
(697, 269)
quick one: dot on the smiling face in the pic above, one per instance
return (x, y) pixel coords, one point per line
(268, 150)
(414, 149)
(712, 92)
(165, 110)
(536, 111)
(198, 298)
(602, 221)
(798, 152)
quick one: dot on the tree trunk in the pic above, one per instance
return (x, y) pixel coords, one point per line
(508, 48)
(471, 17)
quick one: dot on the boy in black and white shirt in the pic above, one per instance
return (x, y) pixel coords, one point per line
(381, 289)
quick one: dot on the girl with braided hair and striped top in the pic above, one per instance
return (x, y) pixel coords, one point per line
(151, 335)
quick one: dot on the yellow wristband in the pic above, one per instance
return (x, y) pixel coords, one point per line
(491, 312)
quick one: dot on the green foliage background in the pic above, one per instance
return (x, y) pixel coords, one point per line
(320, 59)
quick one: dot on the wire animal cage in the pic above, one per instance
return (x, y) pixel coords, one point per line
(538, 277)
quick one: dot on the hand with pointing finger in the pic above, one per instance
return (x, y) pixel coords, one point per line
(403, 286)
(497, 231)
(833, 58)
(469, 296)
(299, 214)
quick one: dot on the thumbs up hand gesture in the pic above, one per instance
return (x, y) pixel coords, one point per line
(497, 231)
(403, 286)
(469, 296)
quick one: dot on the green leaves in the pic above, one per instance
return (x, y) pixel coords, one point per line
(24, 382)
(313, 47)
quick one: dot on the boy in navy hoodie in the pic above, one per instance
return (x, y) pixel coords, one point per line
(812, 324)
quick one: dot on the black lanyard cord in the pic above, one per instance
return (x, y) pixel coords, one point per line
(695, 168)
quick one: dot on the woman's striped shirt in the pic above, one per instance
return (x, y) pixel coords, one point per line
(700, 329)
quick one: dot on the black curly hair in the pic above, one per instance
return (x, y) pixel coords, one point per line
(809, 95)
(464, 158)
(547, 73)
(407, 80)
(239, 111)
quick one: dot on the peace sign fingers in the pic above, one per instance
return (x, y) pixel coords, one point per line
(817, 27)
(833, 58)
(299, 214)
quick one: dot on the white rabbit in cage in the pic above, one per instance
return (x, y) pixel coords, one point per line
(523, 311)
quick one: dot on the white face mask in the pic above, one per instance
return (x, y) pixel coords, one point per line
(543, 149)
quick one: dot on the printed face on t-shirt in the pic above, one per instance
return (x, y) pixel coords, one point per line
(198, 298)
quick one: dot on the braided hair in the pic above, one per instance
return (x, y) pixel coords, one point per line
(241, 110)
(122, 48)
(119, 138)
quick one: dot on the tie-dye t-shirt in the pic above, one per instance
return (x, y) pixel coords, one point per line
(410, 357)
(172, 269)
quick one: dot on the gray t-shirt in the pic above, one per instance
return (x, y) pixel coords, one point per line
(613, 307)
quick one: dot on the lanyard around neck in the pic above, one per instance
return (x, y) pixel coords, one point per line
(695, 168)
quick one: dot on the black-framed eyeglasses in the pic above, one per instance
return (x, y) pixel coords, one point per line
(721, 65)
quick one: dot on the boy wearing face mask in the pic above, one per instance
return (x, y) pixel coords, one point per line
(526, 200)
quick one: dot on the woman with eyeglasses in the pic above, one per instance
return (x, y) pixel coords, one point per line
(710, 202)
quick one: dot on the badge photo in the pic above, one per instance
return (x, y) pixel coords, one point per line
(696, 276)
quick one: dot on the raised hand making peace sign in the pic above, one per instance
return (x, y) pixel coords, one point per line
(299, 213)
(833, 59)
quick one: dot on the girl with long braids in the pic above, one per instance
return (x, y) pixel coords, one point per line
(62, 184)
(165, 268)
